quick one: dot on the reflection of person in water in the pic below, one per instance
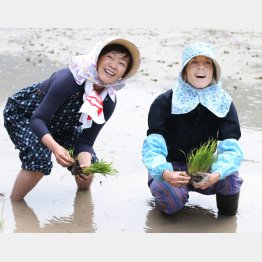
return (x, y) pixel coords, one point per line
(192, 219)
(26, 220)
(81, 221)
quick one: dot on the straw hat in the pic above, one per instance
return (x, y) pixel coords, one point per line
(133, 51)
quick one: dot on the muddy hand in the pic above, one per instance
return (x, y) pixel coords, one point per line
(213, 178)
(82, 176)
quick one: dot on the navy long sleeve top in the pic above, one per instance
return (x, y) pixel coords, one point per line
(187, 131)
(58, 89)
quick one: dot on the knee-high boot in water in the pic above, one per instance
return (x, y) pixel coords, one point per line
(227, 204)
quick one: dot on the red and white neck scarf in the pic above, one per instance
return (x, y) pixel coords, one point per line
(92, 108)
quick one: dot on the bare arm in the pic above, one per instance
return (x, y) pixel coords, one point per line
(84, 159)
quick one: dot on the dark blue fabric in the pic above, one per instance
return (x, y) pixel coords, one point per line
(186, 132)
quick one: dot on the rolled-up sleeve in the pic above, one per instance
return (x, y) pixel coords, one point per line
(154, 153)
(229, 158)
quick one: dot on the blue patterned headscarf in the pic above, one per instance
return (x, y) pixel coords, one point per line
(213, 97)
(203, 49)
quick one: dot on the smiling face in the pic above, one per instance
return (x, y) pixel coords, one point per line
(112, 66)
(199, 72)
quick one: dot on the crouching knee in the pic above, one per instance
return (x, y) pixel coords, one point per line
(170, 207)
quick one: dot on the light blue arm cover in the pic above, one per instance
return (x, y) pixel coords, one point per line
(154, 153)
(229, 158)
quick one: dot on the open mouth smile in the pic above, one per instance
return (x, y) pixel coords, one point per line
(200, 76)
(109, 72)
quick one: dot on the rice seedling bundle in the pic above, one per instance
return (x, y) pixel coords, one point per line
(100, 167)
(200, 160)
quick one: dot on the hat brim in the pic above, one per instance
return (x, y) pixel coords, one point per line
(134, 53)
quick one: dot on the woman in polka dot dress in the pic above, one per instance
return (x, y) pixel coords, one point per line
(67, 110)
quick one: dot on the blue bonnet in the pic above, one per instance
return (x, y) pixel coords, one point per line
(185, 97)
(203, 49)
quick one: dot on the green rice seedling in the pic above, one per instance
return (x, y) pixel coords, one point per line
(2, 221)
(199, 161)
(101, 167)
(71, 152)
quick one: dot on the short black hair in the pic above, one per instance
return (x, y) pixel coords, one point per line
(119, 49)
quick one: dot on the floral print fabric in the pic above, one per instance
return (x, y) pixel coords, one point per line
(186, 98)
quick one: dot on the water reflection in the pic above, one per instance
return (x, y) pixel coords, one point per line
(191, 219)
(81, 221)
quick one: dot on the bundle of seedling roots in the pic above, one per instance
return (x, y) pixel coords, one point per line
(100, 167)
(199, 162)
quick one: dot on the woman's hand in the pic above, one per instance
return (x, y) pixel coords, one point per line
(213, 178)
(176, 178)
(62, 157)
(84, 160)
(61, 154)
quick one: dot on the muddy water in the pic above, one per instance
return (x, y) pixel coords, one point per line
(124, 203)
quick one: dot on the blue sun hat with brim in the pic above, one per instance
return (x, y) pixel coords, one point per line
(203, 49)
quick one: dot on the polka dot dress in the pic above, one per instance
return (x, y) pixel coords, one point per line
(64, 126)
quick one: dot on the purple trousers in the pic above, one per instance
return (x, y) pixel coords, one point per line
(171, 199)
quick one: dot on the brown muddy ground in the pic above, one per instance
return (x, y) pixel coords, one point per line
(124, 203)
